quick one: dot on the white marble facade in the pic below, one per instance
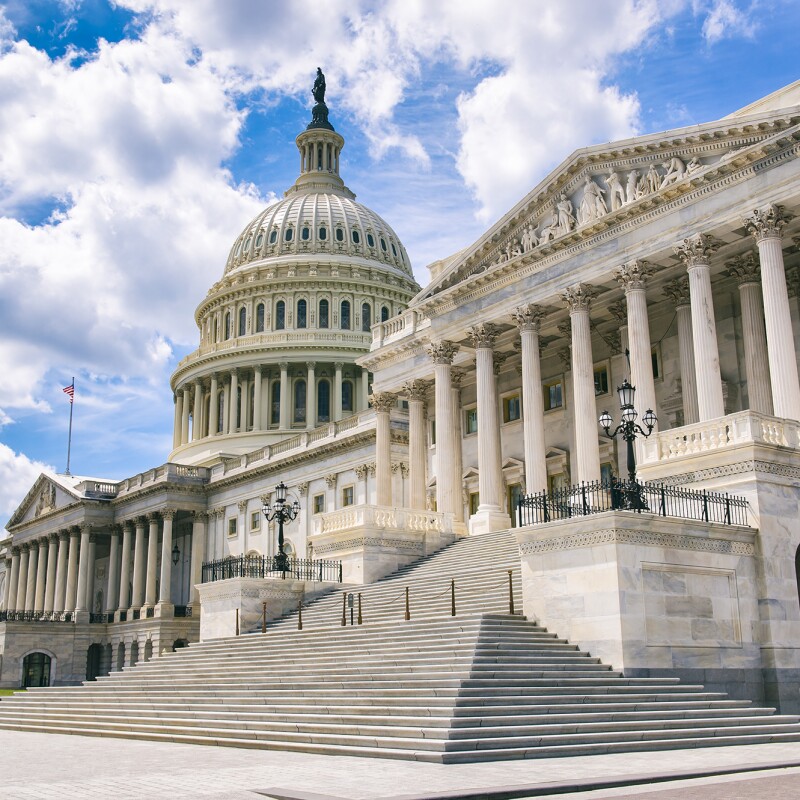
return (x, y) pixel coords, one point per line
(322, 363)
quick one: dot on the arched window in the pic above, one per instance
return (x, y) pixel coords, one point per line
(242, 321)
(239, 420)
(275, 404)
(384, 313)
(300, 401)
(366, 317)
(260, 318)
(323, 233)
(323, 314)
(345, 315)
(280, 315)
(287, 234)
(220, 411)
(356, 236)
(35, 670)
(214, 331)
(228, 325)
(305, 233)
(302, 314)
(339, 235)
(347, 395)
(273, 236)
(324, 401)
(370, 240)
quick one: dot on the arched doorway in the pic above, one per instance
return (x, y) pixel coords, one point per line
(134, 653)
(120, 656)
(93, 661)
(148, 649)
(180, 643)
(36, 670)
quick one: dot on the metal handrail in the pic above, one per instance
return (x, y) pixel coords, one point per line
(304, 569)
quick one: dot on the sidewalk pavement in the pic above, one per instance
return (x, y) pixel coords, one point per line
(59, 767)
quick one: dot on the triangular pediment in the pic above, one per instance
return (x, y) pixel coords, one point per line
(48, 494)
(600, 186)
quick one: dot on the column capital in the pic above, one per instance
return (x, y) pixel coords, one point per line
(498, 359)
(311, 364)
(200, 516)
(416, 389)
(284, 365)
(483, 335)
(302, 488)
(63, 535)
(579, 297)
(745, 269)
(696, 250)
(257, 369)
(15, 550)
(677, 290)
(456, 377)
(74, 533)
(528, 317)
(767, 223)
(634, 274)
(168, 513)
(330, 480)
(361, 471)
(383, 402)
(242, 506)
(619, 311)
(234, 371)
(338, 364)
(127, 525)
(153, 516)
(85, 527)
(52, 536)
(442, 352)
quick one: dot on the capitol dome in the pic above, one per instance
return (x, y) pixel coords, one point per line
(280, 332)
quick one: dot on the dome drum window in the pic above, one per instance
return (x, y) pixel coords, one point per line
(280, 315)
(302, 314)
(273, 236)
(356, 236)
(339, 235)
(383, 245)
(259, 239)
(305, 233)
(288, 234)
(370, 240)
(323, 233)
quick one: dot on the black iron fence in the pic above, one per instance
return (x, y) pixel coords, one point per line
(618, 495)
(304, 569)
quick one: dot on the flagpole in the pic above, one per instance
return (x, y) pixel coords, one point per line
(69, 440)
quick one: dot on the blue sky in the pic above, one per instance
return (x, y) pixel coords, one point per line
(138, 137)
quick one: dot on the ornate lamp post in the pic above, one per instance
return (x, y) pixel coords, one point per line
(628, 429)
(281, 512)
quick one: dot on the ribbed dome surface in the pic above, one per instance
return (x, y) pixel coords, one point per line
(316, 223)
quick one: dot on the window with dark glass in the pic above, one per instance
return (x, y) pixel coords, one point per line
(553, 395)
(344, 315)
(287, 235)
(366, 317)
(347, 395)
(324, 401)
(259, 239)
(275, 404)
(601, 380)
(471, 421)
(242, 321)
(370, 240)
(273, 236)
(302, 314)
(356, 237)
(280, 315)
(511, 408)
(323, 234)
(300, 401)
(384, 313)
(259, 318)
(305, 234)
(394, 250)
(228, 325)
(383, 244)
(323, 314)
(340, 235)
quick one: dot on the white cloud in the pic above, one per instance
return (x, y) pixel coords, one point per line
(17, 474)
(725, 19)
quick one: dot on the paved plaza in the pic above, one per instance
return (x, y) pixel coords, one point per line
(58, 767)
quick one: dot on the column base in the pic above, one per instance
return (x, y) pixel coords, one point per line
(165, 610)
(489, 519)
(80, 617)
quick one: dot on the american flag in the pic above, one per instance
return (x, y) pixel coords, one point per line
(70, 390)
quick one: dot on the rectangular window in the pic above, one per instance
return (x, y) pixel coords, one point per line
(511, 408)
(553, 395)
(514, 496)
(255, 521)
(318, 503)
(474, 502)
(470, 421)
(348, 496)
(655, 355)
(232, 526)
(433, 432)
(601, 380)
(606, 472)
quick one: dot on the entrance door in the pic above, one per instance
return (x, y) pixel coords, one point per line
(35, 670)
(514, 496)
(93, 657)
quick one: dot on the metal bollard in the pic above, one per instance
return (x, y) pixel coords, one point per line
(452, 597)
(237, 621)
(263, 618)
(344, 609)
(300, 615)
(408, 607)
(510, 594)
(360, 620)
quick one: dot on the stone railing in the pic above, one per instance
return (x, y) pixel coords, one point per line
(166, 473)
(323, 336)
(405, 324)
(744, 427)
(98, 489)
(396, 519)
(317, 437)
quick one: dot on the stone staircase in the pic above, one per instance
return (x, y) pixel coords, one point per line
(483, 685)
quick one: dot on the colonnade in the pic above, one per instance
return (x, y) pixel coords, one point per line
(55, 574)
(770, 365)
(261, 398)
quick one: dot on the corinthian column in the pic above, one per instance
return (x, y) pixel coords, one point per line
(766, 226)
(490, 515)
(678, 291)
(213, 407)
(70, 596)
(284, 423)
(746, 272)
(165, 589)
(695, 253)
(528, 319)
(257, 385)
(416, 391)
(84, 565)
(584, 408)
(30, 583)
(197, 416)
(448, 499)
(337, 391)
(13, 581)
(383, 403)
(198, 554)
(41, 576)
(52, 563)
(311, 396)
(633, 279)
(22, 580)
(185, 415)
(60, 598)
(456, 376)
(125, 566)
(112, 594)
(152, 560)
(177, 399)
(138, 566)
